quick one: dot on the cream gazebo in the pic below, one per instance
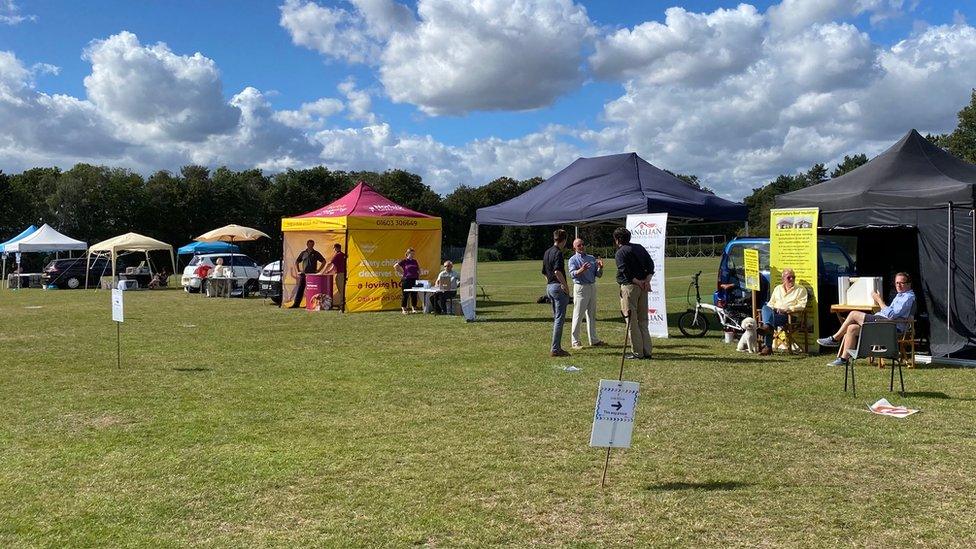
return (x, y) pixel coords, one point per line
(128, 242)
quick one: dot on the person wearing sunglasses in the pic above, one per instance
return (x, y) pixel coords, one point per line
(902, 307)
(788, 297)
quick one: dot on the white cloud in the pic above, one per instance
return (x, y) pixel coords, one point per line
(444, 167)
(310, 115)
(10, 13)
(359, 102)
(792, 16)
(735, 121)
(383, 18)
(260, 140)
(926, 80)
(827, 57)
(811, 97)
(14, 77)
(487, 55)
(688, 47)
(152, 93)
(335, 32)
(455, 57)
(41, 129)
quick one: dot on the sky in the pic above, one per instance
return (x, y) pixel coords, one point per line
(466, 92)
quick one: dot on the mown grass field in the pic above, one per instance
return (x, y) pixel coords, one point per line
(234, 423)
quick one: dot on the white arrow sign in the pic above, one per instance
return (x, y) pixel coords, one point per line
(613, 419)
(117, 305)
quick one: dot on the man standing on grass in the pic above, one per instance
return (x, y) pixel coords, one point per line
(337, 266)
(584, 269)
(634, 271)
(553, 268)
(307, 262)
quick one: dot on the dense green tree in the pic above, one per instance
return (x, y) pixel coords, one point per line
(962, 141)
(816, 175)
(848, 164)
(295, 192)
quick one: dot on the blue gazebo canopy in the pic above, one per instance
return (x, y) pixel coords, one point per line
(608, 188)
(208, 248)
(27, 232)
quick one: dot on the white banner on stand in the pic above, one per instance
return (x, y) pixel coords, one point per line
(649, 231)
(469, 275)
(117, 306)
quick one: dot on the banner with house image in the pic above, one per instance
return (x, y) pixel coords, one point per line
(649, 231)
(793, 244)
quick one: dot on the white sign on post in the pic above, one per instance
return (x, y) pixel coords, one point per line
(613, 420)
(649, 231)
(117, 315)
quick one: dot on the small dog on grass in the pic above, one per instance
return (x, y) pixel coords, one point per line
(749, 342)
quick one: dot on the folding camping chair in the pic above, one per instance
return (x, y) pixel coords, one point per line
(877, 340)
(796, 325)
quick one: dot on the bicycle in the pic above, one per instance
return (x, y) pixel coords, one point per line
(694, 322)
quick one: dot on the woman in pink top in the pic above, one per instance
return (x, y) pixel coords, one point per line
(409, 271)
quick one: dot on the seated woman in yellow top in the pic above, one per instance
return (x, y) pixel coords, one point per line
(788, 297)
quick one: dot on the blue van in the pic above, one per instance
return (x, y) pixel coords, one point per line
(832, 262)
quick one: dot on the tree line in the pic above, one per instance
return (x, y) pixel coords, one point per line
(92, 203)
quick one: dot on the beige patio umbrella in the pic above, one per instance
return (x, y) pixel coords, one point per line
(232, 233)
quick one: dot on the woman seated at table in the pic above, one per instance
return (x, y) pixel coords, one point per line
(159, 279)
(224, 275)
(447, 282)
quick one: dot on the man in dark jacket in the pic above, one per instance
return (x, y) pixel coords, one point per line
(634, 271)
(554, 269)
(307, 262)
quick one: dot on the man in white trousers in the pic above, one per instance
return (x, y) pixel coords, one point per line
(584, 269)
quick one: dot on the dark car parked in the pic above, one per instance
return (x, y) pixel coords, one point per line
(70, 273)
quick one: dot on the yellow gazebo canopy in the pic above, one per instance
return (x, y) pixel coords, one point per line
(374, 231)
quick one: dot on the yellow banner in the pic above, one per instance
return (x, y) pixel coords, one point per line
(373, 284)
(393, 223)
(342, 223)
(793, 244)
(313, 224)
(752, 268)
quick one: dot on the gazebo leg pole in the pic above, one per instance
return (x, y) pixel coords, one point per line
(949, 279)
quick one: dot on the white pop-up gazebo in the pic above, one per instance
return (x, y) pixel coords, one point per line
(128, 242)
(45, 239)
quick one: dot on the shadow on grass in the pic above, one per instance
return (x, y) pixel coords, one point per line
(197, 369)
(493, 303)
(927, 394)
(539, 319)
(711, 486)
(937, 366)
(933, 394)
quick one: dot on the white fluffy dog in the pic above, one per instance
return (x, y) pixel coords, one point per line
(749, 340)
